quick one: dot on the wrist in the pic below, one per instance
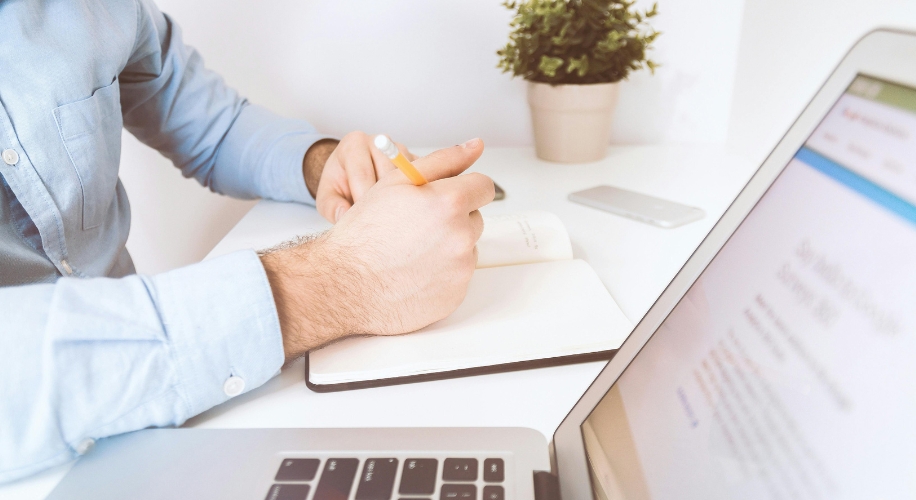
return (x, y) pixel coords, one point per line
(313, 163)
(316, 294)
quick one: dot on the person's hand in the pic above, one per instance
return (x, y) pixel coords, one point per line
(398, 260)
(338, 174)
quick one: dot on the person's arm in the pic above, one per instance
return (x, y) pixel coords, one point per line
(83, 359)
(399, 260)
(172, 103)
(88, 358)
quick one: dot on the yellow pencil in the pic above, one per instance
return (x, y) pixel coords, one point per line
(384, 144)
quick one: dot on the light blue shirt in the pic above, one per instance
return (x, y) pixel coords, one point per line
(87, 348)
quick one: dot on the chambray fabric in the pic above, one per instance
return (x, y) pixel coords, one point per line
(88, 349)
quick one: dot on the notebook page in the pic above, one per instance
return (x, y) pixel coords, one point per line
(513, 313)
(522, 238)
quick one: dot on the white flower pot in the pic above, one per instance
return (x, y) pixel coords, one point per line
(572, 123)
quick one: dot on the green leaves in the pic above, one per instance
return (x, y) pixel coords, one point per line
(577, 41)
(550, 65)
(580, 65)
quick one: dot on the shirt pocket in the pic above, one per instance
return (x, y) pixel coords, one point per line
(91, 131)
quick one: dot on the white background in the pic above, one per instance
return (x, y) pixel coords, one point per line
(788, 48)
(424, 72)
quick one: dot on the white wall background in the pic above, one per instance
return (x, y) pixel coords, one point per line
(422, 71)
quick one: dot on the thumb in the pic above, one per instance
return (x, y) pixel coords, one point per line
(449, 162)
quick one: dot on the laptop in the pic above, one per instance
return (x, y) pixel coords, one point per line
(778, 363)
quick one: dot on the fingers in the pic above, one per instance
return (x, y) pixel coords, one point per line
(449, 162)
(357, 161)
(382, 163)
(476, 230)
(332, 206)
(466, 193)
(476, 224)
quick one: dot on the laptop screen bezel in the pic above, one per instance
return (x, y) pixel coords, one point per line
(884, 54)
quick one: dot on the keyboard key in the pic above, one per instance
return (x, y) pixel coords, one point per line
(336, 479)
(494, 493)
(297, 469)
(418, 476)
(494, 470)
(458, 492)
(377, 479)
(288, 492)
(459, 469)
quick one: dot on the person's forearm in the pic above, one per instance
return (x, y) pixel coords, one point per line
(313, 163)
(173, 103)
(322, 293)
(291, 271)
(83, 359)
(262, 156)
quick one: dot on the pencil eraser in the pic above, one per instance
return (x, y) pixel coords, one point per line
(384, 144)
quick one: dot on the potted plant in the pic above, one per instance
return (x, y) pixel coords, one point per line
(573, 53)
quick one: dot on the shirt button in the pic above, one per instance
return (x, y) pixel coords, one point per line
(234, 386)
(85, 445)
(66, 265)
(10, 156)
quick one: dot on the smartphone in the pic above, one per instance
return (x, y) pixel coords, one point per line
(638, 206)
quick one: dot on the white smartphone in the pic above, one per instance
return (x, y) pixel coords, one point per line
(638, 206)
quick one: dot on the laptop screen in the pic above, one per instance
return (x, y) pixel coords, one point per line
(787, 370)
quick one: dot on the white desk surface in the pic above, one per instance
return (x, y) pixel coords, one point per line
(634, 260)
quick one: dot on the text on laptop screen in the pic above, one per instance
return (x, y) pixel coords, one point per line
(786, 371)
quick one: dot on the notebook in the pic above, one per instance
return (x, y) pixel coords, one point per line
(530, 304)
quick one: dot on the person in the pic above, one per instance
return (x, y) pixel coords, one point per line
(90, 349)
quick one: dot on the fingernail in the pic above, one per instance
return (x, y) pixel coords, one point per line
(473, 143)
(339, 213)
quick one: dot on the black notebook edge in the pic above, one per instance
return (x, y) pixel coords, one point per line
(464, 372)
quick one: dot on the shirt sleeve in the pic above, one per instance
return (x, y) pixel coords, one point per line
(172, 103)
(89, 358)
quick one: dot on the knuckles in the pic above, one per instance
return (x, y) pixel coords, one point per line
(441, 205)
(462, 249)
(484, 181)
(355, 137)
(453, 202)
